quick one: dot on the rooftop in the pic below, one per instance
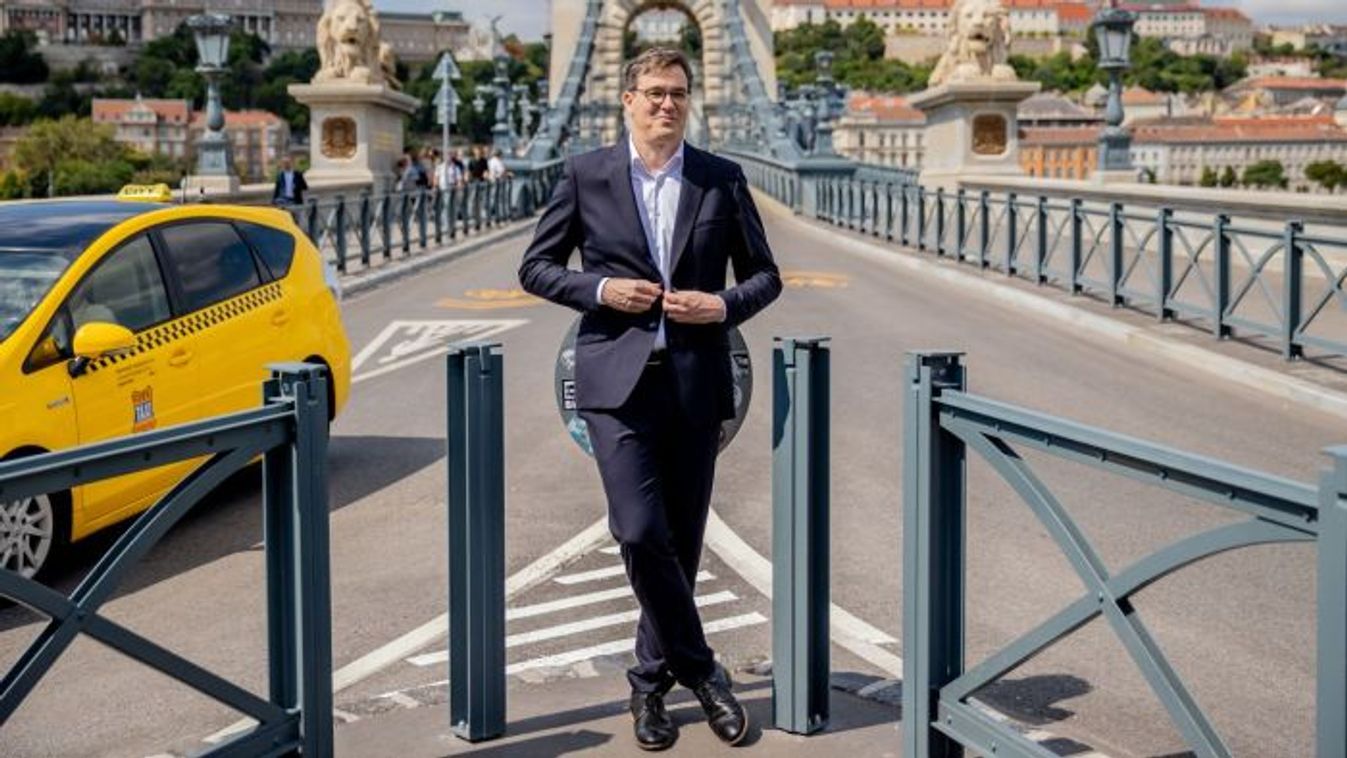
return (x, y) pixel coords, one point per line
(173, 111)
(1142, 96)
(1291, 82)
(1048, 106)
(1238, 129)
(884, 107)
(241, 118)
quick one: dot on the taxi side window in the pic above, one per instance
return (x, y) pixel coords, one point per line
(125, 289)
(211, 261)
(275, 247)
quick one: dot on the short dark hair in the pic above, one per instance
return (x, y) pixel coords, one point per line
(655, 59)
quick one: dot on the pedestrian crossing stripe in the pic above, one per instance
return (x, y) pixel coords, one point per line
(574, 627)
(404, 342)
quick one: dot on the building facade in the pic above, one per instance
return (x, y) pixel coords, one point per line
(1330, 37)
(171, 128)
(881, 129)
(154, 127)
(1180, 151)
(283, 24)
(1059, 152)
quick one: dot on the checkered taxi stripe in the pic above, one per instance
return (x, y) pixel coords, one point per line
(193, 323)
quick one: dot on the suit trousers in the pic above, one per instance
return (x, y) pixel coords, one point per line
(657, 468)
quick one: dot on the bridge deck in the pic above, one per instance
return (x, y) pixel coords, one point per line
(1239, 626)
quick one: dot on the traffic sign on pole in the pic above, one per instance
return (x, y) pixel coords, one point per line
(446, 69)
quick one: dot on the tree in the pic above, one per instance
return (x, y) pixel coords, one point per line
(16, 110)
(1208, 177)
(71, 154)
(1327, 174)
(1228, 178)
(19, 63)
(859, 61)
(1265, 173)
(273, 94)
(61, 97)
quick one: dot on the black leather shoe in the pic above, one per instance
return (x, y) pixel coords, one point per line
(654, 729)
(727, 718)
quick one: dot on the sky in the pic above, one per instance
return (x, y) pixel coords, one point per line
(530, 18)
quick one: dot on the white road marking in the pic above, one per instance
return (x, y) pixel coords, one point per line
(404, 343)
(576, 601)
(607, 572)
(626, 646)
(846, 630)
(403, 699)
(876, 686)
(386, 655)
(615, 647)
(611, 550)
(574, 627)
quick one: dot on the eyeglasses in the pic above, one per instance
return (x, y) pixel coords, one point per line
(656, 95)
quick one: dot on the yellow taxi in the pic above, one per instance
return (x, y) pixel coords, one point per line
(119, 317)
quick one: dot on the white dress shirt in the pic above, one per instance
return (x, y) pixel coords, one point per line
(657, 195)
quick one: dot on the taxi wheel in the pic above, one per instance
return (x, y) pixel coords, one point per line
(34, 533)
(331, 391)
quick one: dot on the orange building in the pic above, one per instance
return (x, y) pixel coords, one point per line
(1059, 152)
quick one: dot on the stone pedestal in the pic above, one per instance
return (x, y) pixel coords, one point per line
(355, 131)
(205, 185)
(971, 130)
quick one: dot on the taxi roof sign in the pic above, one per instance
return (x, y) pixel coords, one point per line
(146, 193)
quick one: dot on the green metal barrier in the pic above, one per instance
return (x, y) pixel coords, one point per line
(943, 422)
(290, 433)
(476, 542)
(800, 477)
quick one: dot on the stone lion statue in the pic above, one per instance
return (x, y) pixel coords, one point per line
(979, 43)
(348, 45)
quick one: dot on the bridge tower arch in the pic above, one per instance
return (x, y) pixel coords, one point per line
(721, 83)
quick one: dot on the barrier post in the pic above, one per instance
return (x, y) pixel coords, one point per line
(800, 513)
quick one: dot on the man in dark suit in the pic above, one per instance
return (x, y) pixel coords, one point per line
(658, 223)
(290, 185)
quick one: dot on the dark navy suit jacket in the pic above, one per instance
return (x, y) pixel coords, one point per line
(593, 209)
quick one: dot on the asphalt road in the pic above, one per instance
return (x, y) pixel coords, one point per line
(1239, 627)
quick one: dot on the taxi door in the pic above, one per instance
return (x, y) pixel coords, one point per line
(227, 307)
(149, 387)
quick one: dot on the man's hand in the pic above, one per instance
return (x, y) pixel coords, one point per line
(630, 295)
(693, 307)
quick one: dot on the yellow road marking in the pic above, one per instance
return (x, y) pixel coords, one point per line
(490, 299)
(814, 280)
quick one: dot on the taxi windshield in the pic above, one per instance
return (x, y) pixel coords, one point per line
(25, 277)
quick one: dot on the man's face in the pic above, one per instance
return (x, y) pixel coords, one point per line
(658, 109)
(285, 164)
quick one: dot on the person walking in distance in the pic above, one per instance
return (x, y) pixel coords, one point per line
(658, 223)
(290, 184)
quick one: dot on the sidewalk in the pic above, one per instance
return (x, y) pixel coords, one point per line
(405, 264)
(590, 715)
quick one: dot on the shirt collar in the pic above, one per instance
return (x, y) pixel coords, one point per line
(674, 166)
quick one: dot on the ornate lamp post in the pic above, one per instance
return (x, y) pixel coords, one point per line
(502, 133)
(830, 103)
(1113, 31)
(215, 159)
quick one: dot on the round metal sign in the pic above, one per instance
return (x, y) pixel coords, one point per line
(741, 367)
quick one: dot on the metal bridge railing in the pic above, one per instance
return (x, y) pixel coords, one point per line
(943, 423)
(363, 229)
(290, 433)
(1235, 277)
